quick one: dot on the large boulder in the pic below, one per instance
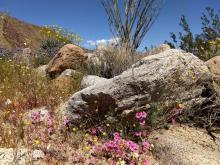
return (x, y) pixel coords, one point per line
(214, 66)
(69, 57)
(183, 145)
(170, 75)
(90, 80)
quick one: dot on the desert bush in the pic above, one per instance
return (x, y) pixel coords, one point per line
(41, 59)
(55, 37)
(110, 61)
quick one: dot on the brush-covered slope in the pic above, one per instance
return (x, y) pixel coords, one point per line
(15, 33)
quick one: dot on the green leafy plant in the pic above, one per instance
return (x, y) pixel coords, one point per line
(199, 44)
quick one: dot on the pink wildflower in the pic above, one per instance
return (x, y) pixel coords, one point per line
(66, 122)
(141, 115)
(93, 131)
(50, 121)
(117, 136)
(146, 162)
(132, 146)
(35, 117)
(50, 130)
(112, 162)
(137, 134)
(142, 122)
(146, 145)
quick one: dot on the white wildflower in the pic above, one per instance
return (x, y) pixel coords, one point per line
(8, 102)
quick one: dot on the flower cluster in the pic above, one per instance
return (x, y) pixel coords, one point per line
(35, 117)
(50, 125)
(121, 149)
(141, 116)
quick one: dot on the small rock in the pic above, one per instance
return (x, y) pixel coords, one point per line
(70, 73)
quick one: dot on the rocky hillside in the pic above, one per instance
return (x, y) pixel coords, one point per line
(15, 33)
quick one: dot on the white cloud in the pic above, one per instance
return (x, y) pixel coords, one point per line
(103, 41)
(91, 42)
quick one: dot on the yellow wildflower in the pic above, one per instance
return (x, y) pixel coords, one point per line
(104, 133)
(87, 148)
(36, 141)
(95, 140)
(27, 122)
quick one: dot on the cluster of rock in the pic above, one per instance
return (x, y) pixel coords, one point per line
(170, 75)
(165, 76)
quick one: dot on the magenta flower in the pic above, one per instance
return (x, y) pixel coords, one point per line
(50, 121)
(142, 122)
(132, 146)
(141, 115)
(137, 134)
(93, 131)
(66, 122)
(146, 162)
(117, 136)
(146, 145)
(111, 145)
(112, 162)
(35, 117)
(50, 130)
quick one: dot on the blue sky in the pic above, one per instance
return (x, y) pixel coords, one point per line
(88, 18)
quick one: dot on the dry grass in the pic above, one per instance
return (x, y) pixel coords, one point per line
(22, 89)
(109, 61)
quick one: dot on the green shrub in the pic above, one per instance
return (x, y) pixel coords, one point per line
(199, 44)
